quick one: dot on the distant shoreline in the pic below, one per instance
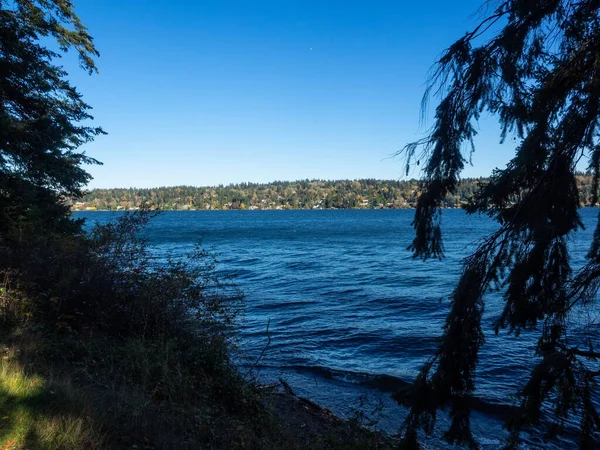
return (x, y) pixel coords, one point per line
(290, 195)
(412, 208)
(259, 210)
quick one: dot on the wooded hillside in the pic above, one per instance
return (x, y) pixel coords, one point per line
(305, 194)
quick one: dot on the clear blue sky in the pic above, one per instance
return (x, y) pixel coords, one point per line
(203, 92)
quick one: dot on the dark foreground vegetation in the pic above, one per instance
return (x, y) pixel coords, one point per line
(306, 194)
(101, 347)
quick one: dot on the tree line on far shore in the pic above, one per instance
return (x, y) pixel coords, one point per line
(305, 194)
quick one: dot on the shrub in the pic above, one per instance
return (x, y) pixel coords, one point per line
(108, 281)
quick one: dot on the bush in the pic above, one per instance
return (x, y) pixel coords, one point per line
(108, 281)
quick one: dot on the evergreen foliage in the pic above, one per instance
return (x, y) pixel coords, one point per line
(42, 118)
(536, 66)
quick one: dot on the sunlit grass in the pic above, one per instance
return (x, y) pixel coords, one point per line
(38, 414)
(14, 382)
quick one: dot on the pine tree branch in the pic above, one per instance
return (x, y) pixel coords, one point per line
(577, 352)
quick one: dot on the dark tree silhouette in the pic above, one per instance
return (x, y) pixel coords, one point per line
(535, 64)
(42, 117)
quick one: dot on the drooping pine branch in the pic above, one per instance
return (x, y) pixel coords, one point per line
(536, 66)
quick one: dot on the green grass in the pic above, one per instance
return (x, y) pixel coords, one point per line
(41, 414)
(98, 392)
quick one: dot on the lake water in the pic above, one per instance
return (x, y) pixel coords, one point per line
(351, 312)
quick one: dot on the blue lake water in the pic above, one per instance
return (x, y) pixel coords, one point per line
(351, 312)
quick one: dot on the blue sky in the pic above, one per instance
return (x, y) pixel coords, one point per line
(203, 92)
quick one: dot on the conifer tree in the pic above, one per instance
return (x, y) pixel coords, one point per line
(43, 119)
(535, 65)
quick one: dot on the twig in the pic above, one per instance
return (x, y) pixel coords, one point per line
(286, 387)
(262, 353)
